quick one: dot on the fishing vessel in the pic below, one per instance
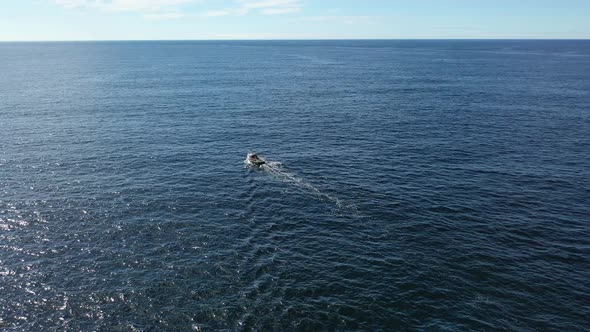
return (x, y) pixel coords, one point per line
(253, 159)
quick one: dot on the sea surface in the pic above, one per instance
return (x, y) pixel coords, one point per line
(411, 185)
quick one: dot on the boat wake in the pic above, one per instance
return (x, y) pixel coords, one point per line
(275, 168)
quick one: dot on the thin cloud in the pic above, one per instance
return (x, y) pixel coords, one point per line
(341, 19)
(217, 13)
(164, 16)
(264, 7)
(71, 4)
(254, 4)
(280, 11)
(173, 9)
(143, 5)
(269, 7)
(124, 5)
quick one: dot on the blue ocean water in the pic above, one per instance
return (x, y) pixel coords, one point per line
(414, 185)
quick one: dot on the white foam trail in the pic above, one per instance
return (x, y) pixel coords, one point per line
(273, 167)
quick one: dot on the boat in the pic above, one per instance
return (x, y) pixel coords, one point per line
(253, 159)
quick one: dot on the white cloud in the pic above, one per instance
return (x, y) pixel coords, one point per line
(69, 4)
(172, 9)
(253, 4)
(270, 7)
(124, 5)
(164, 16)
(264, 7)
(278, 11)
(217, 13)
(342, 19)
(143, 5)
(259, 36)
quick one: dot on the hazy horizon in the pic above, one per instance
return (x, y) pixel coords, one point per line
(307, 39)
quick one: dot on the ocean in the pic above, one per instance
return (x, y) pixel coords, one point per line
(411, 185)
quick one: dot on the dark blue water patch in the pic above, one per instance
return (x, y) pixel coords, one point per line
(415, 185)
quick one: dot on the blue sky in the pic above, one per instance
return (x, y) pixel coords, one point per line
(292, 19)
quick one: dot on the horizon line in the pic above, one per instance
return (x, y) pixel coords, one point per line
(290, 39)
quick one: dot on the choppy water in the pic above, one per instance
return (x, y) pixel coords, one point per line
(418, 186)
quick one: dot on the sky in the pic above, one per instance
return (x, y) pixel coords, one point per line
(49, 20)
